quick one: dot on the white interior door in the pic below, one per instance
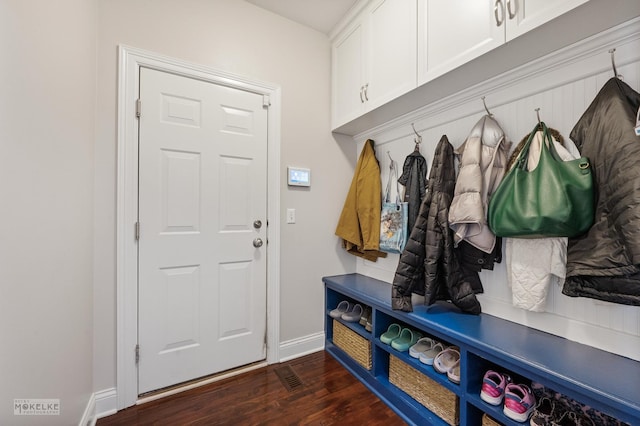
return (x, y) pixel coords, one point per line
(202, 189)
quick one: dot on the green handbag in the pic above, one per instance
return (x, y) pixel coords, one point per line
(556, 199)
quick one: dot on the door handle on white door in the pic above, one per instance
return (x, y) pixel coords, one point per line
(366, 87)
(495, 12)
(257, 243)
(361, 90)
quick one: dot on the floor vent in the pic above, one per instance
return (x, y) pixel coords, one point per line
(289, 378)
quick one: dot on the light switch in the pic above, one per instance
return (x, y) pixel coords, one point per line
(291, 215)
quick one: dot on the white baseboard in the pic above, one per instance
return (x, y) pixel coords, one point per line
(88, 417)
(106, 403)
(296, 348)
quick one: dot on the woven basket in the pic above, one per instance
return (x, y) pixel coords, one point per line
(488, 421)
(356, 346)
(427, 392)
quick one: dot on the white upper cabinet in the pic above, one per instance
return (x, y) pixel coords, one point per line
(393, 46)
(524, 15)
(392, 50)
(348, 75)
(453, 32)
(374, 59)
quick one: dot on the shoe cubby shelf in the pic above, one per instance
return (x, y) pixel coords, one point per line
(605, 381)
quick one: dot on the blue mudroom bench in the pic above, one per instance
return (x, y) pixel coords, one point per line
(605, 381)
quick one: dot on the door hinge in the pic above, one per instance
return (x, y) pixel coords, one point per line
(137, 353)
(138, 108)
(137, 231)
(266, 101)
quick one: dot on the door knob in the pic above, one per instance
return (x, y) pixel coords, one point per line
(257, 242)
(257, 224)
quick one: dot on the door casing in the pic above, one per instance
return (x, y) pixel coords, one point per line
(130, 61)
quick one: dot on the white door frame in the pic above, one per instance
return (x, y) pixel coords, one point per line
(130, 61)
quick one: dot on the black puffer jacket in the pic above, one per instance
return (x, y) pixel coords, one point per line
(428, 264)
(414, 179)
(605, 263)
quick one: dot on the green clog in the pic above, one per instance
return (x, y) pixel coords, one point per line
(407, 339)
(392, 333)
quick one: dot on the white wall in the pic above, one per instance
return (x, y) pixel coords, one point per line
(237, 37)
(47, 100)
(562, 85)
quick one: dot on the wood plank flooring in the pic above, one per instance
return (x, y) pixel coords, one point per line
(325, 394)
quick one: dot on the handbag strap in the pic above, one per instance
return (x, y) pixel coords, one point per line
(393, 173)
(546, 137)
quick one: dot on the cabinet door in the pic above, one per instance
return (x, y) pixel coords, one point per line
(525, 15)
(453, 32)
(391, 67)
(347, 75)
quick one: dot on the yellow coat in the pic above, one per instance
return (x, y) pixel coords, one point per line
(359, 223)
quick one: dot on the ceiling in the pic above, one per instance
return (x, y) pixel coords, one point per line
(321, 15)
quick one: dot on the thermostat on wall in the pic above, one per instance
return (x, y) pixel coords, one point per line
(297, 176)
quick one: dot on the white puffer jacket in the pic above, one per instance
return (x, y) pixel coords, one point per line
(533, 265)
(482, 165)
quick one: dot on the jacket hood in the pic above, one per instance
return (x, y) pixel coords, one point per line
(488, 131)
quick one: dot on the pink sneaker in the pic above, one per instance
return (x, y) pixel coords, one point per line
(493, 385)
(519, 402)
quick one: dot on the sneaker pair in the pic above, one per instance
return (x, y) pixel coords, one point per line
(493, 387)
(547, 412)
(519, 402)
(569, 418)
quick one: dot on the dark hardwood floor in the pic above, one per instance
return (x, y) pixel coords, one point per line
(323, 393)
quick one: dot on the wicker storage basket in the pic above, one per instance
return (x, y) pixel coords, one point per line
(356, 346)
(427, 392)
(489, 421)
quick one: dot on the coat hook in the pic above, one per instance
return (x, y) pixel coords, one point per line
(538, 115)
(418, 138)
(613, 63)
(485, 108)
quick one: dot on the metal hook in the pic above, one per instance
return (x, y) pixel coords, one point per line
(485, 107)
(613, 63)
(538, 115)
(417, 139)
(392, 164)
